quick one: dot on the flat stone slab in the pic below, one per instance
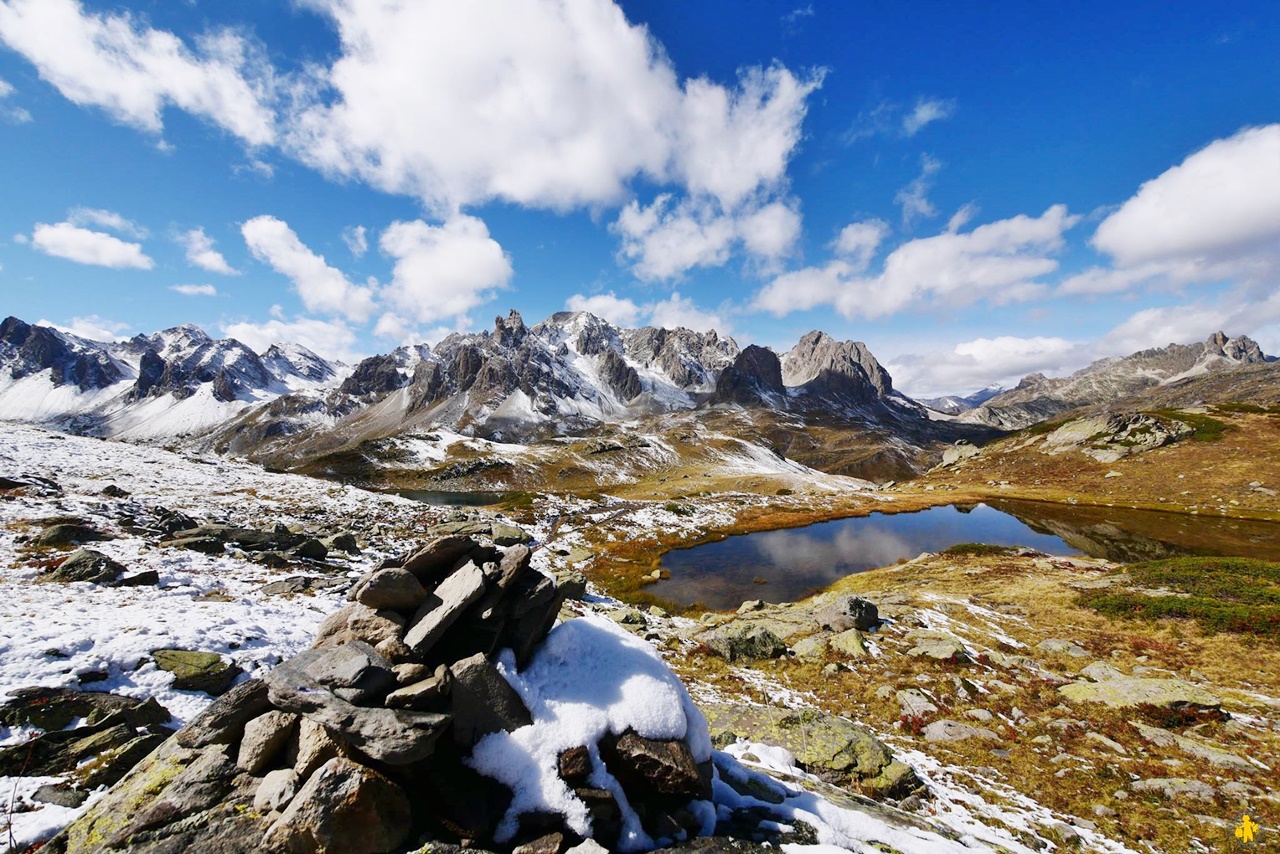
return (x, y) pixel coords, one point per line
(948, 730)
(443, 607)
(1127, 691)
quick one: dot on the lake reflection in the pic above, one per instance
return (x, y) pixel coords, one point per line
(796, 562)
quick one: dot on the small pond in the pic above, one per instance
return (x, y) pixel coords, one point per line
(785, 565)
(454, 499)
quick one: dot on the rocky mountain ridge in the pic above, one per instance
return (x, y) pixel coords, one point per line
(1037, 397)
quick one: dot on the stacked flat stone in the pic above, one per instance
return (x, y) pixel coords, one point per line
(359, 743)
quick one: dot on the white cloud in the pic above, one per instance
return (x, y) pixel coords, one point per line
(971, 365)
(926, 111)
(321, 287)
(914, 198)
(357, 240)
(857, 242)
(617, 310)
(93, 327)
(17, 115)
(132, 71)
(195, 290)
(666, 239)
(200, 252)
(547, 104)
(64, 240)
(443, 271)
(998, 262)
(676, 311)
(1222, 201)
(332, 339)
(106, 219)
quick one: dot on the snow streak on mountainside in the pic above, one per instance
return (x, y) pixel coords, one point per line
(1037, 397)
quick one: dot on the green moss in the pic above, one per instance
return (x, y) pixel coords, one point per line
(1236, 595)
(978, 549)
(1205, 429)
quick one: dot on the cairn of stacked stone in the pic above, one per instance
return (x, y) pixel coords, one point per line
(360, 743)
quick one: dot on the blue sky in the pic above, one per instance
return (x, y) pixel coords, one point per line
(977, 191)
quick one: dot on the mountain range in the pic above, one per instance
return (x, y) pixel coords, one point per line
(570, 375)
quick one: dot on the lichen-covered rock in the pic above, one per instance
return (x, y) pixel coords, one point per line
(197, 671)
(1128, 691)
(344, 808)
(87, 565)
(751, 642)
(948, 730)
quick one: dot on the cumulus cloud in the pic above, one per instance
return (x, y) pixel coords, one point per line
(195, 290)
(668, 238)
(1222, 200)
(974, 364)
(927, 111)
(914, 198)
(999, 262)
(322, 288)
(676, 311)
(619, 311)
(93, 327)
(443, 271)
(64, 240)
(133, 71)
(200, 252)
(857, 242)
(357, 240)
(548, 104)
(332, 339)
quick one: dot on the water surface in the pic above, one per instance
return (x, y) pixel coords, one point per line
(453, 499)
(788, 564)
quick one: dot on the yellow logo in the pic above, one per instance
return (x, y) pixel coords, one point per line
(1248, 827)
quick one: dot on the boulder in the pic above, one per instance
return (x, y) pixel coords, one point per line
(814, 647)
(58, 708)
(849, 643)
(1175, 788)
(574, 765)
(146, 578)
(343, 808)
(751, 642)
(204, 545)
(344, 542)
(87, 565)
(1193, 747)
(425, 695)
(310, 549)
(69, 535)
(936, 645)
(1063, 647)
(443, 607)
(914, 704)
(483, 702)
(508, 535)
(393, 589)
(848, 612)
(352, 671)
(197, 671)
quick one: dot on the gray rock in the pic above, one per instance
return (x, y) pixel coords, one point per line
(389, 735)
(1175, 788)
(649, 768)
(814, 647)
(344, 542)
(352, 671)
(407, 674)
(573, 585)
(223, 722)
(1100, 671)
(316, 746)
(849, 643)
(69, 534)
(979, 715)
(752, 642)
(356, 622)
(508, 535)
(948, 730)
(276, 790)
(483, 702)
(343, 807)
(1127, 691)
(437, 558)
(443, 607)
(1192, 746)
(535, 601)
(146, 578)
(936, 645)
(1062, 647)
(264, 737)
(425, 695)
(848, 612)
(204, 545)
(310, 549)
(87, 565)
(914, 704)
(392, 589)
(61, 795)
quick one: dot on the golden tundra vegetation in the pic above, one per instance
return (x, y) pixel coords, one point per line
(1029, 624)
